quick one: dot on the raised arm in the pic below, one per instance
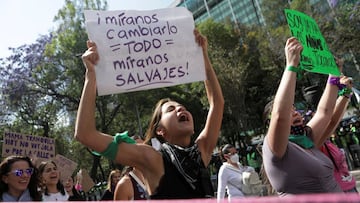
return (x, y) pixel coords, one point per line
(340, 107)
(281, 115)
(208, 137)
(85, 129)
(324, 111)
(144, 157)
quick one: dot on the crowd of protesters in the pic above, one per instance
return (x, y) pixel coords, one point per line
(178, 169)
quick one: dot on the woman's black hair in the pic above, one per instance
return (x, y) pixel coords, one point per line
(76, 194)
(225, 149)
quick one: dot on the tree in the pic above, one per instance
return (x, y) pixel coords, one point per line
(341, 34)
(22, 92)
(236, 59)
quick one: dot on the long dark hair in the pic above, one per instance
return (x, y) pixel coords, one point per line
(76, 194)
(5, 167)
(59, 185)
(154, 123)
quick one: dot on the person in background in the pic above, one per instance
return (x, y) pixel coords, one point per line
(230, 177)
(18, 180)
(132, 185)
(69, 186)
(341, 171)
(113, 179)
(53, 189)
(171, 123)
(79, 178)
(291, 156)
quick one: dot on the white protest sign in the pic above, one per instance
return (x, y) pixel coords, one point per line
(142, 50)
(28, 145)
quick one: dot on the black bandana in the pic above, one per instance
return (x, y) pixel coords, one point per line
(298, 136)
(297, 130)
(185, 161)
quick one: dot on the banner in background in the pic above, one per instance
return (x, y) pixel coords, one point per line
(28, 145)
(65, 166)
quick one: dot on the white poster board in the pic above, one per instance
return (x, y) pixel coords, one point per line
(142, 50)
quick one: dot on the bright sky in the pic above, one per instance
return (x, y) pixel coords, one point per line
(23, 21)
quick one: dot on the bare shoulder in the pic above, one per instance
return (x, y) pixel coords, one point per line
(123, 190)
(124, 180)
(153, 170)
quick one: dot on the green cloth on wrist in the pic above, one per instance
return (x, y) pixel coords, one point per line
(111, 150)
(346, 92)
(296, 70)
(293, 69)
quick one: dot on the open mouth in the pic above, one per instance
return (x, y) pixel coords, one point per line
(53, 177)
(297, 122)
(183, 118)
(23, 181)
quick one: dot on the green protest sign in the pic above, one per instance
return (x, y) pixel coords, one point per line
(316, 56)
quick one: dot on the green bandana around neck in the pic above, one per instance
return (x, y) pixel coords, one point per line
(302, 140)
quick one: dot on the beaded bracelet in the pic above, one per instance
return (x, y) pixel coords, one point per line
(336, 81)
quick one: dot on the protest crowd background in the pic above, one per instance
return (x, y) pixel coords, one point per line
(42, 82)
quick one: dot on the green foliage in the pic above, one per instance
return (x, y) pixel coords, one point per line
(236, 61)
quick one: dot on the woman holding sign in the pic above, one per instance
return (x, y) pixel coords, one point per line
(291, 156)
(166, 176)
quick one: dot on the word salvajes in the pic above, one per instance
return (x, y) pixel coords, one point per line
(151, 76)
(140, 30)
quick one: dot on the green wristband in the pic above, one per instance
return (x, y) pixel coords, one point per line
(295, 70)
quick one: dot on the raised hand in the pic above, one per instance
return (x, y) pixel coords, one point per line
(91, 56)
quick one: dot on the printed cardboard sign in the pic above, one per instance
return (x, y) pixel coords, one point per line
(28, 145)
(65, 166)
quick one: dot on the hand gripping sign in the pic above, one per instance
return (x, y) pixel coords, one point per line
(142, 50)
(316, 56)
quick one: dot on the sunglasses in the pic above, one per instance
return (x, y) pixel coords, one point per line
(20, 172)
